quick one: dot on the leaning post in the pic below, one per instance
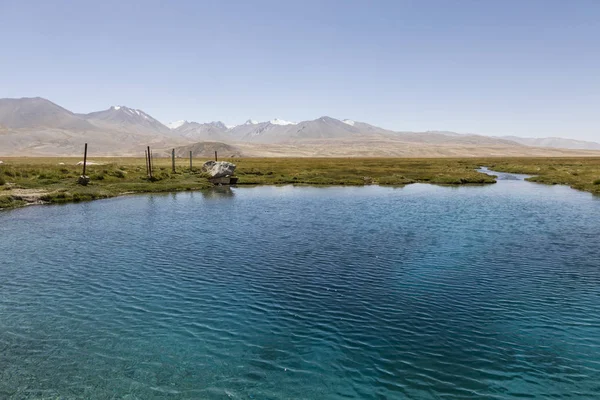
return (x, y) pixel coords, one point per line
(84, 159)
(150, 162)
(190, 161)
(216, 156)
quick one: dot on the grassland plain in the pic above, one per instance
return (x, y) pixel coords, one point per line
(26, 181)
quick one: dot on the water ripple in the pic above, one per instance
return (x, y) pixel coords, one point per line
(305, 293)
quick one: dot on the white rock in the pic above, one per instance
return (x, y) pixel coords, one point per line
(218, 169)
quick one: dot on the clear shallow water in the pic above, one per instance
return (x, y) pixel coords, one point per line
(420, 292)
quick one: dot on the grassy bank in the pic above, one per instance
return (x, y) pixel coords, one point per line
(578, 173)
(358, 171)
(54, 180)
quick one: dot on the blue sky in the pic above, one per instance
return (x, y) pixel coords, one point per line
(527, 67)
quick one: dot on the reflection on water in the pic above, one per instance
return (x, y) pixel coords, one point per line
(218, 192)
(305, 293)
(503, 176)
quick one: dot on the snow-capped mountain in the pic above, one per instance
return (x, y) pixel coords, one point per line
(126, 119)
(36, 126)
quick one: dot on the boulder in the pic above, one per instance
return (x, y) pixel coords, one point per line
(218, 169)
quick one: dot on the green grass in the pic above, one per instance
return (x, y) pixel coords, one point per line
(30, 180)
(578, 173)
(357, 171)
(54, 180)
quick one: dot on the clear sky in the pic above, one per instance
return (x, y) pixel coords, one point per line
(523, 67)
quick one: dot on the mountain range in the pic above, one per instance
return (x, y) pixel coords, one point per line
(36, 127)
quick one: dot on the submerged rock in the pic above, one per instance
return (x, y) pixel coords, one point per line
(218, 169)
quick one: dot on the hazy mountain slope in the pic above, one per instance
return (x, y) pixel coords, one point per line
(331, 128)
(323, 128)
(269, 132)
(38, 113)
(369, 129)
(555, 142)
(61, 142)
(385, 147)
(121, 118)
(207, 149)
(212, 131)
(444, 138)
(253, 131)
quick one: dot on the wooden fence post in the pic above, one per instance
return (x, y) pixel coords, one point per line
(84, 180)
(173, 160)
(150, 162)
(84, 159)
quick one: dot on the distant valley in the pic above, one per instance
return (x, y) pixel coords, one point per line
(39, 127)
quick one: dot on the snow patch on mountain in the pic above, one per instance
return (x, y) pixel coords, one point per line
(131, 111)
(176, 124)
(348, 122)
(278, 121)
(251, 122)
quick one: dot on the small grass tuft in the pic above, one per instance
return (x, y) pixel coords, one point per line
(119, 173)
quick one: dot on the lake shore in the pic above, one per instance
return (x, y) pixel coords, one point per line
(26, 181)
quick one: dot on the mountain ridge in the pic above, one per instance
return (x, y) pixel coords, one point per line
(125, 118)
(39, 126)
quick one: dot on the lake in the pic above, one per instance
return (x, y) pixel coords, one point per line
(419, 292)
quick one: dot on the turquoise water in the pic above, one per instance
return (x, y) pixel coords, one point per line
(421, 292)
